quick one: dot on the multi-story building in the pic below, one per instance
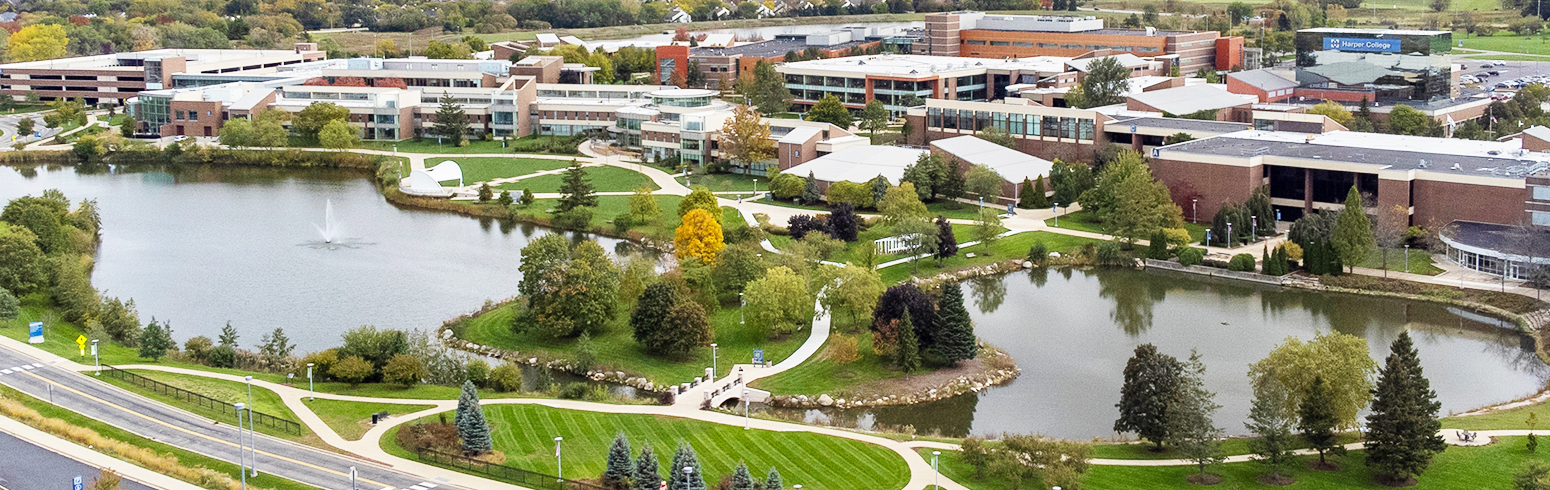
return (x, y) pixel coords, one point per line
(894, 79)
(981, 35)
(721, 65)
(1375, 64)
(113, 78)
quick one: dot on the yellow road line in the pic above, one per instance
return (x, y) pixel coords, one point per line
(196, 434)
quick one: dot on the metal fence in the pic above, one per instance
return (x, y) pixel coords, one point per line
(536, 481)
(1212, 271)
(259, 418)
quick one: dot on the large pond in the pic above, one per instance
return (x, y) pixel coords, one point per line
(202, 246)
(1071, 332)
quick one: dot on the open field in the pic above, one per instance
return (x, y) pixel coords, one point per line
(351, 420)
(604, 179)
(1007, 248)
(264, 401)
(483, 169)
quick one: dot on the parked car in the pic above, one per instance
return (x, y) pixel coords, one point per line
(1494, 73)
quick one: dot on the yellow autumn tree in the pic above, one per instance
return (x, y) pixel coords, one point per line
(699, 236)
(37, 42)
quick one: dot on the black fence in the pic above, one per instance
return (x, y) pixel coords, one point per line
(259, 418)
(536, 481)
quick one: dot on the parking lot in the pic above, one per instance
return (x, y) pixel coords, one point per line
(1506, 72)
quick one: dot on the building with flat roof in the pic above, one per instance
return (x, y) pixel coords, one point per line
(722, 64)
(964, 152)
(981, 35)
(120, 76)
(893, 79)
(1376, 64)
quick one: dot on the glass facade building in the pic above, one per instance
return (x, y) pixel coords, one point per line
(1394, 65)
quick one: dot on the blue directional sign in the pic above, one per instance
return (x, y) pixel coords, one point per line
(35, 333)
(1361, 44)
(758, 356)
(76, 484)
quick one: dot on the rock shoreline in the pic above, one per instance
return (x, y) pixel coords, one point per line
(960, 385)
(448, 337)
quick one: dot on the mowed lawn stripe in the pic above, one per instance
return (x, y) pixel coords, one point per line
(526, 434)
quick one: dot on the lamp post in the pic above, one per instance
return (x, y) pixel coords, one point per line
(95, 357)
(1254, 232)
(1229, 235)
(242, 469)
(252, 438)
(559, 461)
(745, 408)
(713, 371)
(755, 188)
(740, 304)
(1194, 210)
(936, 472)
(1407, 258)
(1056, 209)
(309, 381)
(688, 475)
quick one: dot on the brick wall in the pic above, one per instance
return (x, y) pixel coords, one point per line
(1216, 184)
(1439, 203)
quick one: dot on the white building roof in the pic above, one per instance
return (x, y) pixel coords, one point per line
(799, 135)
(1192, 98)
(1013, 165)
(859, 164)
(1126, 60)
(546, 39)
(914, 65)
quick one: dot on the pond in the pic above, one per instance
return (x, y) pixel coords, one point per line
(1071, 333)
(200, 246)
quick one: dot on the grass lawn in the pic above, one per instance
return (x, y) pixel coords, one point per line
(185, 457)
(617, 350)
(525, 433)
(1420, 261)
(264, 401)
(1085, 220)
(351, 420)
(22, 108)
(604, 179)
(1238, 445)
(1506, 419)
(954, 468)
(729, 182)
(961, 232)
(1505, 41)
(956, 210)
(482, 169)
(1459, 467)
(820, 375)
(1012, 247)
(429, 145)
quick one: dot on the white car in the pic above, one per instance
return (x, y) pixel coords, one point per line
(179, 138)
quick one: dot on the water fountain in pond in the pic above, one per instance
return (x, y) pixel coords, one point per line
(330, 232)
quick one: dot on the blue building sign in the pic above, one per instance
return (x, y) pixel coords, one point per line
(1360, 44)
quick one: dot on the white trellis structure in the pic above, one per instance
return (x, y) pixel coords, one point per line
(896, 244)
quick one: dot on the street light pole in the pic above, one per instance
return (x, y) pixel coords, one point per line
(1056, 209)
(559, 461)
(242, 466)
(1194, 210)
(252, 438)
(95, 357)
(309, 382)
(745, 408)
(740, 304)
(1407, 258)
(936, 471)
(713, 371)
(1254, 232)
(688, 475)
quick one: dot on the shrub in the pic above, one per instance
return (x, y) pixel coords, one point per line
(1241, 263)
(222, 356)
(1038, 253)
(506, 377)
(478, 371)
(404, 370)
(1177, 237)
(575, 219)
(666, 398)
(843, 350)
(1293, 251)
(800, 225)
(1157, 249)
(198, 349)
(430, 435)
(322, 361)
(786, 186)
(574, 391)
(352, 369)
(1108, 253)
(1191, 256)
(858, 195)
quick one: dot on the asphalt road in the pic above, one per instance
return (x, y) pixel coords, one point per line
(156, 421)
(29, 467)
(8, 128)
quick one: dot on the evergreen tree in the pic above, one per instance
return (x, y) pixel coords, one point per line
(620, 467)
(1352, 237)
(1150, 380)
(772, 481)
(907, 354)
(653, 306)
(879, 189)
(685, 458)
(741, 480)
(485, 193)
(1157, 248)
(947, 244)
(472, 428)
(1318, 420)
(1270, 420)
(451, 121)
(953, 184)
(810, 192)
(155, 340)
(575, 190)
(1035, 198)
(1190, 428)
(1402, 427)
(647, 476)
(957, 342)
(229, 336)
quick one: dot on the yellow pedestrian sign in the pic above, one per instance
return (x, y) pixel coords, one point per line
(82, 342)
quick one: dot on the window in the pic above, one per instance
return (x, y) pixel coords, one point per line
(180, 115)
(1000, 43)
(500, 117)
(1541, 218)
(975, 42)
(1146, 49)
(1021, 44)
(1049, 45)
(1068, 127)
(998, 119)
(389, 119)
(933, 117)
(1033, 126)
(1541, 193)
(1051, 126)
(1071, 46)
(981, 120)
(1084, 129)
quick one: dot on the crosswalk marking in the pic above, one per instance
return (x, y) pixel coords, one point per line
(5, 371)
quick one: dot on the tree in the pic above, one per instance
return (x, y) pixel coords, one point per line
(275, 349)
(9, 306)
(228, 335)
(746, 138)
(766, 89)
(504, 200)
(309, 122)
(1033, 195)
(741, 480)
(643, 206)
(1536, 476)
(24, 127)
(575, 189)
(1270, 418)
(1402, 426)
(1150, 381)
(646, 476)
(922, 237)
(1070, 181)
(686, 458)
(779, 301)
(874, 119)
(987, 228)
(1389, 231)
(998, 136)
(236, 133)
(1053, 462)
(927, 174)
(438, 50)
(451, 121)
(1129, 202)
(907, 354)
(855, 290)
(844, 222)
(37, 42)
(947, 243)
(772, 480)
(880, 187)
(569, 290)
(404, 370)
(472, 428)
(1352, 236)
(699, 236)
(1318, 420)
(1106, 83)
(1176, 138)
(810, 189)
(1334, 111)
(832, 111)
(958, 342)
(620, 467)
(351, 369)
(900, 204)
(685, 328)
(653, 306)
(1190, 428)
(478, 372)
(983, 182)
(888, 314)
(1340, 360)
(373, 345)
(339, 135)
(1404, 119)
(953, 185)
(155, 340)
(23, 267)
(700, 197)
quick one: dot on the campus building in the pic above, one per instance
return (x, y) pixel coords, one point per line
(981, 35)
(722, 63)
(685, 124)
(1375, 64)
(113, 78)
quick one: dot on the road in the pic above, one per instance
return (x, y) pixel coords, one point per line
(159, 422)
(8, 128)
(27, 466)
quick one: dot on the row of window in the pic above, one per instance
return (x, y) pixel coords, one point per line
(823, 81)
(1019, 124)
(1089, 47)
(817, 95)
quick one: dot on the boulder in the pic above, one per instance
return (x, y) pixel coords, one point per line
(824, 400)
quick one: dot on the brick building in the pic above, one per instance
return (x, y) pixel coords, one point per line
(981, 35)
(113, 78)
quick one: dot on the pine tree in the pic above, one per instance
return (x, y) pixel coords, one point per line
(1040, 199)
(741, 480)
(1352, 236)
(575, 190)
(685, 458)
(647, 476)
(1157, 247)
(810, 189)
(1402, 427)
(1318, 420)
(907, 354)
(1190, 427)
(1025, 199)
(957, 342)
(620, 467)
(472, 428)
(772, 481)
(953, 184)
(1270, 419)
(1150, 380)
(879, 189)
(947, 244)
(155, 340)
(485, 193)
(451, 121)
(228, 336)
